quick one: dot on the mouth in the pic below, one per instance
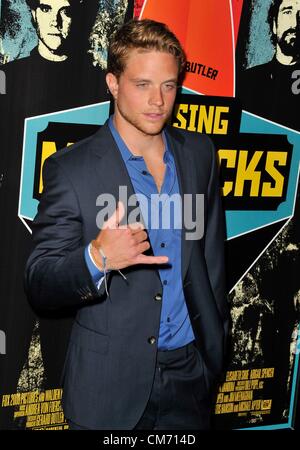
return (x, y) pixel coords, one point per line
(291, 33)
(55, 34)
(154, 116)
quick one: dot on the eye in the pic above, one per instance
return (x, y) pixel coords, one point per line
(66, 11)
(170, 86)
(142, 85)
(45, 8)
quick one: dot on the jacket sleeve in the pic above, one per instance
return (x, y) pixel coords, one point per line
(56, 273)
(215, 241)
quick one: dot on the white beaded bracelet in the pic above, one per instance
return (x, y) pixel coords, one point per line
(104, 259)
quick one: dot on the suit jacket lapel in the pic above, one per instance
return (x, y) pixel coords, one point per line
(115, 173)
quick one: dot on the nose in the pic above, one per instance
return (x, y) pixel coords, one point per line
(56, 20)
(295, 19)
(156, 97)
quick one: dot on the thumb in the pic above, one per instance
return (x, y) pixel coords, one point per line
(114, 220)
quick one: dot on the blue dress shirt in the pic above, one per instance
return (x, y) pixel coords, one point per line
(175, 326)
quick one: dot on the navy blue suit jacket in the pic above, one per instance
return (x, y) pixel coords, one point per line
(110, 363)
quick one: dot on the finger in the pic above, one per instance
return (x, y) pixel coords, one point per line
(136, 227)
(143, 247)
(133, 231)
(140, 237)
(114, 220)
(143, 259)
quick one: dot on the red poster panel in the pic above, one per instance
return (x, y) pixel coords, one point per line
(206, 32)
(237, 6)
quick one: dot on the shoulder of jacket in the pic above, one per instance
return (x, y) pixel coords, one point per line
(75, 152)
(186, 136)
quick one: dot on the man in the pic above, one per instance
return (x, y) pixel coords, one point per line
(59, 67)
(149, 337)
(267, 89)
(53, 22)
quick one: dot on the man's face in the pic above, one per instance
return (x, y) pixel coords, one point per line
(53, 23)
(287, 27)
(146, 90)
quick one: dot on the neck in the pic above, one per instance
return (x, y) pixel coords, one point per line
(47, 54)
(285, 59)
(139, 143)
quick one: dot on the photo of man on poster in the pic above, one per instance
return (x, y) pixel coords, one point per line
(270, 89)
(60, 58)
(54, 23)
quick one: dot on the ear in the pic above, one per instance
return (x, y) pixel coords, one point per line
(113, 84)
(33, 13)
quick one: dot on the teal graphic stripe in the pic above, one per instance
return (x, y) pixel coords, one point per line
(90, 115)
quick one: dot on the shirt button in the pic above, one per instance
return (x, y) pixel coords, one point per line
(158, 297)
(152, 340)
(165, 282)
(162, 244)
(144, 172)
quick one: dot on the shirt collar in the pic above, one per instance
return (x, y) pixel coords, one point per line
(125, 152)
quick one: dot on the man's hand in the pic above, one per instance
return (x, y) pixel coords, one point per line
(124, 245)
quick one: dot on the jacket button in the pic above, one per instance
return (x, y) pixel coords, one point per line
(158, 297)
(152, 340)
(1, 179)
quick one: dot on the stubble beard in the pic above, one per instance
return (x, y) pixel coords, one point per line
(290, 46)
(139, 125)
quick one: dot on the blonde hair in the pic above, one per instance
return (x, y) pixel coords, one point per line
(142, 34)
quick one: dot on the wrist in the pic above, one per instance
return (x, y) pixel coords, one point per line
(97, 258)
